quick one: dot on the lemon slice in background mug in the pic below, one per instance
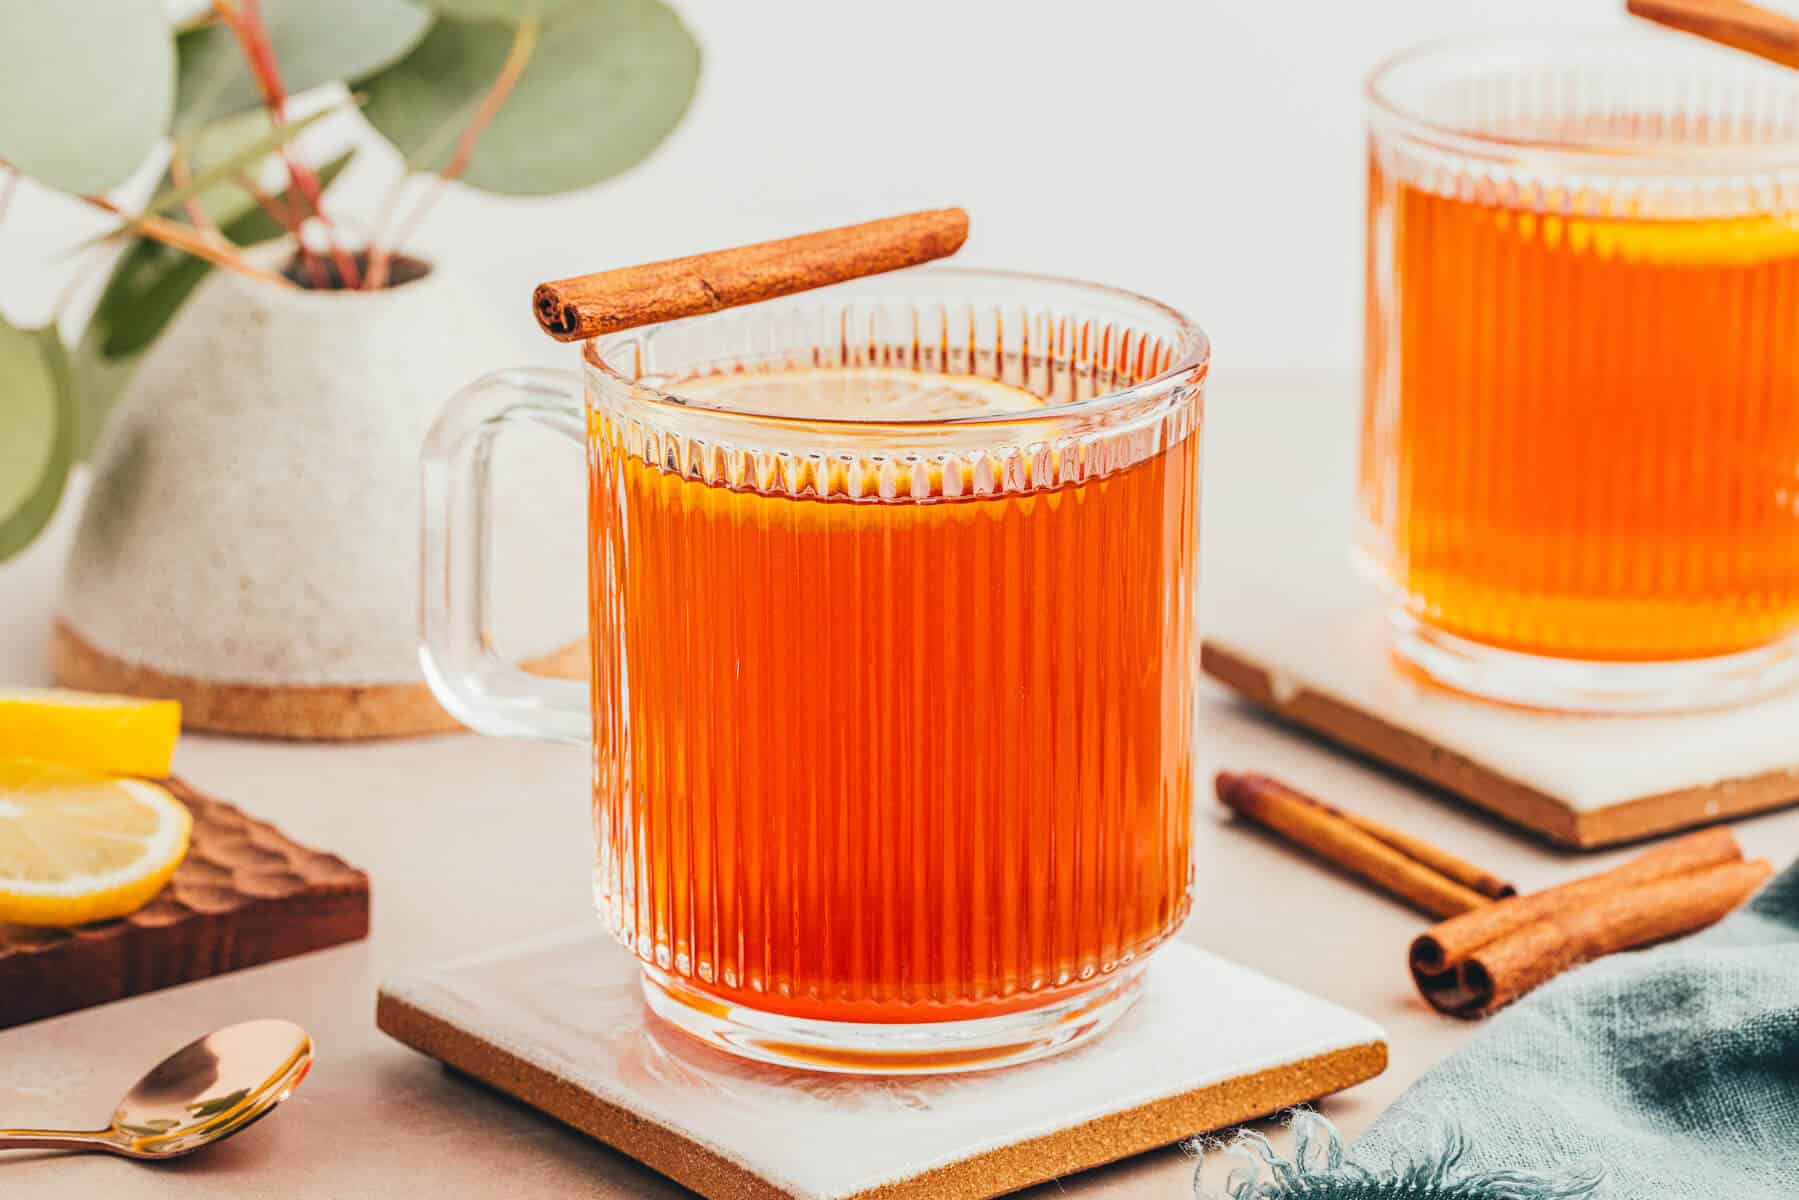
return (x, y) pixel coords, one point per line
(76, 846)
(120, 735)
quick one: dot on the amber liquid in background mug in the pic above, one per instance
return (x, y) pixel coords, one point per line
(894, 664)
(1581, 426)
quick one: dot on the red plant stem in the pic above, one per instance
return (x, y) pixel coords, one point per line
(524, 41)
(246, 24)
(283, 214)
(307, 184)
(253, 38)
(288, 218)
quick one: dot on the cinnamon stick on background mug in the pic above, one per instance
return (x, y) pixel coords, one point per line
(1741, 26)
(585, 306)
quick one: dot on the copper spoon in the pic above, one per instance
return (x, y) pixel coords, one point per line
(201, 1094)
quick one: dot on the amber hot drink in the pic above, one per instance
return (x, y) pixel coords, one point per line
(893, 595)
(1580, 445)
(918, 756)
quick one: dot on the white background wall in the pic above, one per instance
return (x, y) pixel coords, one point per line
(1207, 152)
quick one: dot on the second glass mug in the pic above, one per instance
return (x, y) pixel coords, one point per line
(1580, 439)
(892, 718)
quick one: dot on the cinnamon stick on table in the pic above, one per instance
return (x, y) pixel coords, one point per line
(585, 306)
(1473, 964)
(1429, 878)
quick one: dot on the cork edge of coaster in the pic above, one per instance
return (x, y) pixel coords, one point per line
(1484, 787)
(325, 712)
(996, 1172)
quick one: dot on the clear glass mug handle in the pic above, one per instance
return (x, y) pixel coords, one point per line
(456, 643)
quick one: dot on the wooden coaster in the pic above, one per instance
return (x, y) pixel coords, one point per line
(559, 1023)
(246, 894)
(1311, 645)
(335, 712)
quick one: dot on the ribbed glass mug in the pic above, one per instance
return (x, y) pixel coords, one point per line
(892, 718)
(1580, 448)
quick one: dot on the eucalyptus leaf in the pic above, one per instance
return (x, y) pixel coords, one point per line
(315, 42)
(146, 288)
(99, 382)
(242, 161)
(608, 80)
(85, 89)
(37, 433)
(511, 11)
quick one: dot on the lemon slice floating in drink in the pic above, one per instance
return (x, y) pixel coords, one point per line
(77, 846)
(119, 734)
(859, 394)
(864, 394)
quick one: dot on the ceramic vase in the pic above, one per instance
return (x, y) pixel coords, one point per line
(250, 540)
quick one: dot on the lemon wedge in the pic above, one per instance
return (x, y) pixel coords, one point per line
(858, 394)
(120, 735)
(76, 846)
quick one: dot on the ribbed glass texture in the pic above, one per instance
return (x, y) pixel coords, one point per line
(896, 724)
(1581, 424)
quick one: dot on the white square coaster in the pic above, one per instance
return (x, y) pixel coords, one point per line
(559, 1022)
(1305, 636)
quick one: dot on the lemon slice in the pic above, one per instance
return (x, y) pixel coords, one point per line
(76, 846)
(116, 734)
(858, 393)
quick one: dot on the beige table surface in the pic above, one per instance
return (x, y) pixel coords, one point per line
(473, 842)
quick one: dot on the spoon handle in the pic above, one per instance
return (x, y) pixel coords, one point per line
(52, 1139)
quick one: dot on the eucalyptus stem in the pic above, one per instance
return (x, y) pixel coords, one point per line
(524, 42)
(246, 24)
(384, 217)
(185, 237)
(293, 221)
(282, 214)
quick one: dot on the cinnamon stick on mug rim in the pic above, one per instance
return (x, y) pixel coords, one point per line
(585, 306)
(1432, 880)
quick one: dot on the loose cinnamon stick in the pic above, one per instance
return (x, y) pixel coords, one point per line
(1741, 26)
(1495, 974)
(1448, 944)
(1439, 860)
(1331, 835)
(585, 306)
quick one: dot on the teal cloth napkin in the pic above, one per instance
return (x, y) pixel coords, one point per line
(1666, 1074)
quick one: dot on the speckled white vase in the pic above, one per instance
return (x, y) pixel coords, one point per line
(250, 542)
